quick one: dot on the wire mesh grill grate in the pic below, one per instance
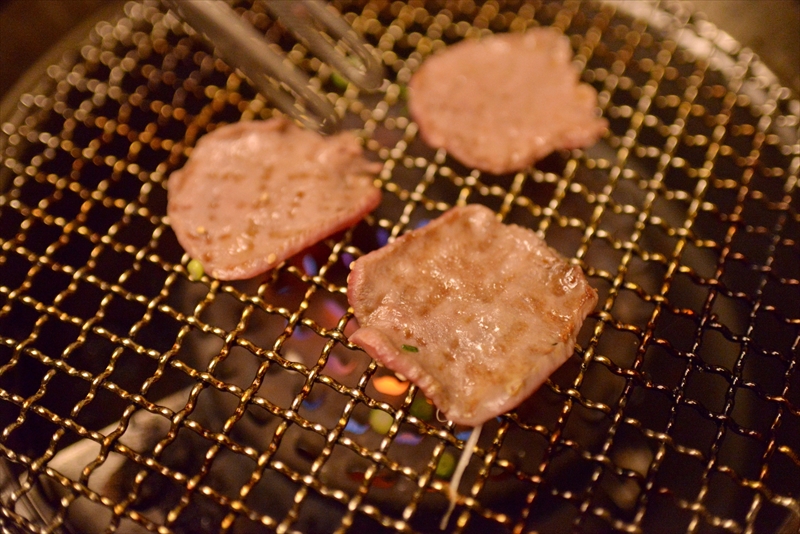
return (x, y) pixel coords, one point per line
(136, 398)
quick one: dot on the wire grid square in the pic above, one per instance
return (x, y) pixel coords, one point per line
(673, 194)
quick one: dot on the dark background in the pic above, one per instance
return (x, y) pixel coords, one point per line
(29, 28)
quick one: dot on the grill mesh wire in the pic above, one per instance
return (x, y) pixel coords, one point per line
(680, 411)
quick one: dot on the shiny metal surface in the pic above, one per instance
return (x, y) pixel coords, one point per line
(135, 397)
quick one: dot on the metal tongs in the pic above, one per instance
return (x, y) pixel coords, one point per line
(274, 75)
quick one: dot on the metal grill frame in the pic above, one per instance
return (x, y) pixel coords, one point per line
(692, 96)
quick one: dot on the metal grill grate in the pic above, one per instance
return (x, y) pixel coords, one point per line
(134, 398)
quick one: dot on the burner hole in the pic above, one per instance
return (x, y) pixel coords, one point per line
(258, 414)
(315, 398)
(359, 420)
(309, 446)
(383, 479)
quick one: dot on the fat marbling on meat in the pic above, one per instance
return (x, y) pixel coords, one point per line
(477, 313)
(502, 102)
(252, 194)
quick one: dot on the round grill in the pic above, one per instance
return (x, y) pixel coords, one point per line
(137, 397)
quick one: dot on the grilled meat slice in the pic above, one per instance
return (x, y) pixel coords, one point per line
(503, 102)
(477, 313)
(255, 193)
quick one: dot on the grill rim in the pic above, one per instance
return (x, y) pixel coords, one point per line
(3, 185)
(35, 76)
